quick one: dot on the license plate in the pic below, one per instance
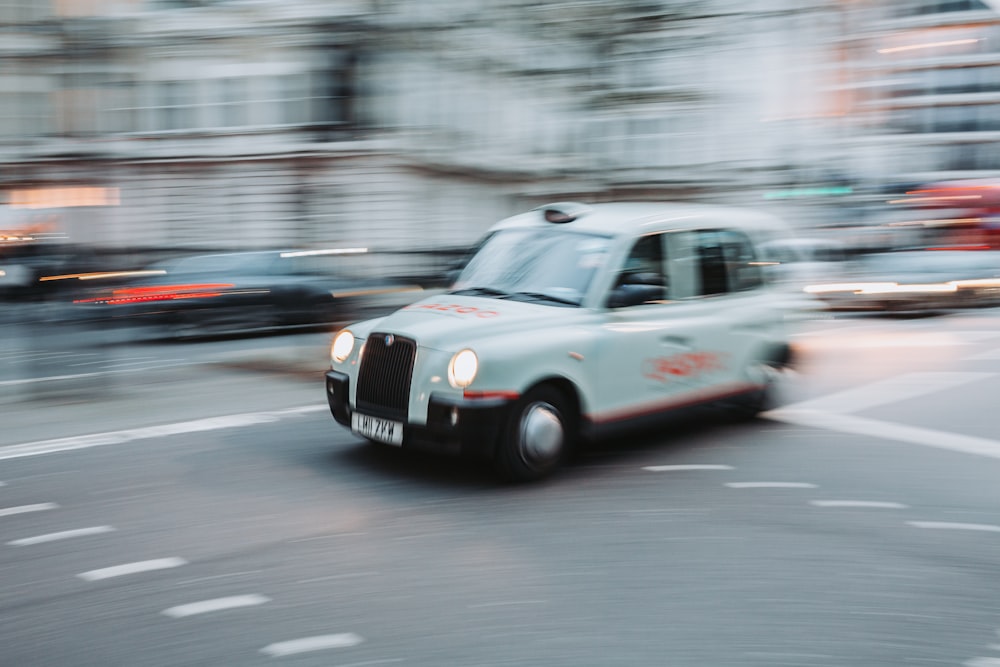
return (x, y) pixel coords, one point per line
(375, 428)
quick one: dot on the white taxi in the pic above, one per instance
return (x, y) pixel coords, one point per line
(571, 322)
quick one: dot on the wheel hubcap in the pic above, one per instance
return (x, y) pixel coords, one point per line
(541, 434)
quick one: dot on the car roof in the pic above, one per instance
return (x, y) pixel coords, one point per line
(636, 218)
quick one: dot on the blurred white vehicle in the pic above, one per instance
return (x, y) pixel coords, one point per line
(571, 321)
(914, 280)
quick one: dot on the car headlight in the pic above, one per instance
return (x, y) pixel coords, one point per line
(343, 344)
(462, 368)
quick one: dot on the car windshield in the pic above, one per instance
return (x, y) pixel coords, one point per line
(544, 265)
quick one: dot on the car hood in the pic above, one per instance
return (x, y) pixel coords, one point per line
(445, 321)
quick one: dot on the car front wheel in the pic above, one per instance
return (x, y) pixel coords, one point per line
(538, 435)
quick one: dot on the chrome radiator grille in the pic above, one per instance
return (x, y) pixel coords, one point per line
(385, 374)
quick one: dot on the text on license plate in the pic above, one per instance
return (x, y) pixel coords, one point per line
(375, 428)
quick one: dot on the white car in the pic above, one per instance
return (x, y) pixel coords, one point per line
(571, 321)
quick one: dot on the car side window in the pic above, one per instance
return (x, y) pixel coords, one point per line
(708, 262)
(742, 267)
(645, 269)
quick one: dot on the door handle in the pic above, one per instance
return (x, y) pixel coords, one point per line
(682, 341)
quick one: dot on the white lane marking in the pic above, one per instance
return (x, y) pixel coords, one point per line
(333, 577)
(890, 390)
(120, 437)
(770, 485)
(78, 376)
(989, 355)
(198, 580)
(689, 466)
(131, 360)
(317, 643)
(22, 509)
(44, 355)
(217, 604)
(858, 503)
(3, 483)
(63, 535)
(132, 568)
(955, 442)
(512, 603)
(982, 662)
(950, 525)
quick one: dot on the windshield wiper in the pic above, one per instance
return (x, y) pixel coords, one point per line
(481, 291)
(548, 297)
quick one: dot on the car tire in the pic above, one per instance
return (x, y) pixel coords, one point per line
(539, 434)
(767, 375)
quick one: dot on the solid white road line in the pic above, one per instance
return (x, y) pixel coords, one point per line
(218, 604)
(949, 525)
(22, 509)
(955, 442)
(890, 390)
(130, 435)
(770, 485)
(317, 643)
(689, 466)
(132, 568)
(64, 535)
(858, 503)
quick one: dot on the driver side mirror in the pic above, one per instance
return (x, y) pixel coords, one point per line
(636, 289)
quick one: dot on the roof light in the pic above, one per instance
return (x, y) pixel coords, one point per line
(563, 212)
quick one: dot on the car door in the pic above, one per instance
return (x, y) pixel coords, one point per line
(718, 281)
(650, 352)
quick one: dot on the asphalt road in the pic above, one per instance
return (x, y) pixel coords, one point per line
(216, 515)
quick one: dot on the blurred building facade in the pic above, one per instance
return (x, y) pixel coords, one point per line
(414, 125)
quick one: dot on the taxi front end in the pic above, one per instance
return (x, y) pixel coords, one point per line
(392, 390)
(455, 393)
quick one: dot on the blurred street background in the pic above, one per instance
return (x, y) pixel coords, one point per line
(287, 166)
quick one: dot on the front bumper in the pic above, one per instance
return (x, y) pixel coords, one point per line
(455, 425)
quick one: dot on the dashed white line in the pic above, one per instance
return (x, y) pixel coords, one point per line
(179, 428)
(770, 485)
(950, 525)
(23, 509)
(198, 580)
(333, 577)
(132, 568)
(512, 603)
(317, 643)
(63, 535)
(859, 503)
(689, 466)
(217, 604)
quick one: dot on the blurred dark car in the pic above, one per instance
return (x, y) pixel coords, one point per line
(914, 280)
(213, 294)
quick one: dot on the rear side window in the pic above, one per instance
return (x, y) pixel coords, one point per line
(707, 262)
